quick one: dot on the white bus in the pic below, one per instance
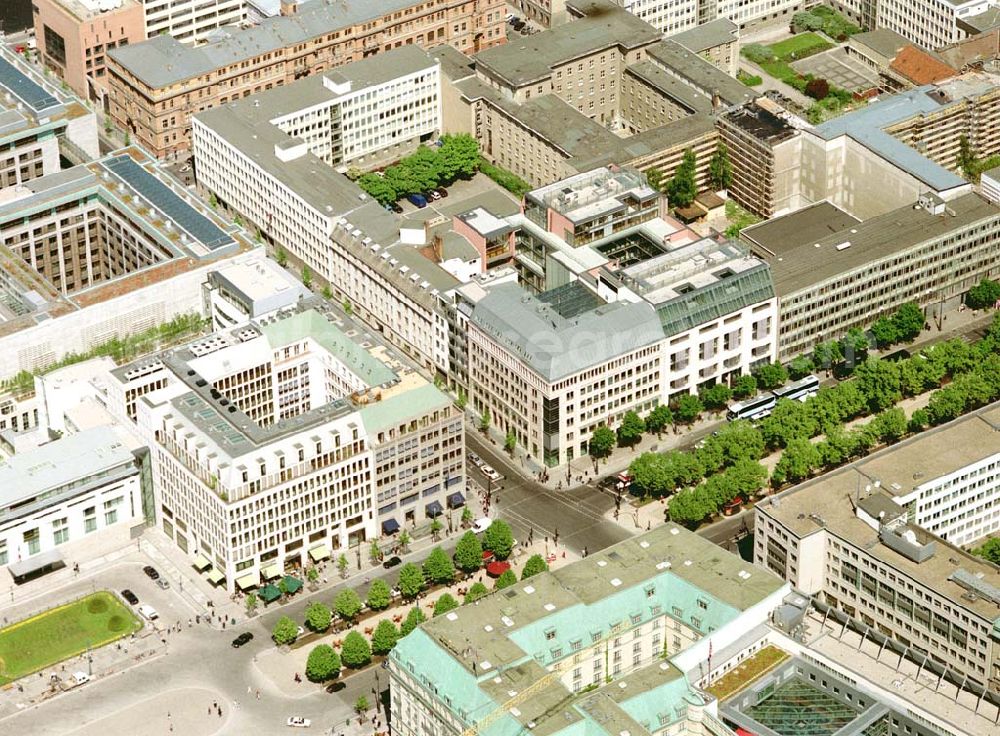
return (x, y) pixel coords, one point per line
(756, 408)
(799, 390)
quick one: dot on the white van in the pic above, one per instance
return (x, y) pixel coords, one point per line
(148, 612)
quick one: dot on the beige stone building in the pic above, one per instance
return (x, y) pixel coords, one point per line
(717, 41)
(847, 543)
(601, 89)
(75, 36)
(158, 85)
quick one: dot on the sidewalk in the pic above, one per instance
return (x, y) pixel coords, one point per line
(280, 666)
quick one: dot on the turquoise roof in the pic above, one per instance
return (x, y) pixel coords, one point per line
(578, 622)
(441, 673)
(667, 700)
(398, 408)
(312, 324)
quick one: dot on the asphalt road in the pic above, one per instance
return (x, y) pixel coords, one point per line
(576, 515)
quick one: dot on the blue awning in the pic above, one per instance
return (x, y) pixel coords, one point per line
(434, 508)
(390, 526)
(455, 500)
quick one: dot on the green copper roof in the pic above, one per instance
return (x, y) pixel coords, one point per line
(312, 324)
(400, 407)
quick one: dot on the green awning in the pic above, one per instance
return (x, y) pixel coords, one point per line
(215, 576)
(269, 593)
(201, 562)
(319, 553)
(292, 585)
(250, 580)
(270, 571)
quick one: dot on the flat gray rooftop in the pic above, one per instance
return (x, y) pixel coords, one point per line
(556, 347)
(798, 266)
(826, 503)
(805, 226)
(529, 58)
(708, 35)
(163, 61)
(75, 458)
(867, 126)
(881, 41)
(658, 78)
(703, 74)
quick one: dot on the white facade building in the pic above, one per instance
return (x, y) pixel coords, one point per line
(618, 309)
(287, 188)
(249, 289)
(63, 491)
(947, 479)
(284, 440)
(191, 21)
(927, 23)
(675, 16)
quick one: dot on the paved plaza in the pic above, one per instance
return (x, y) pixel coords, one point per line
(840, 70)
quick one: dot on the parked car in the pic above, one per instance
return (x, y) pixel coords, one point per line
(434, 194)
(148, 612)
(394, 207)
(391, 562)
(489, 472)
(151, 572)
(475, 459)
(518, 24)
(80, 678)
(129, 596)
(442, 191)
(481, 525)
(298, 722)
(162, 583)
(417, 200)
(245, 638)
(336, 686)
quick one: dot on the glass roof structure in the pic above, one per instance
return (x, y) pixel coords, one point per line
(183, 215)
(30, 93)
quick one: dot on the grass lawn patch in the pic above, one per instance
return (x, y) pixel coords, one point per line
(800, 46)
(63, 632)
(747, 671)
(738, 218)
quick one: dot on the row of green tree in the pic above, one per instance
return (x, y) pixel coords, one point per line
(683, 410)
(438, 568)
(963, 377)
(682, 188)
(324, 663)
(425, 169)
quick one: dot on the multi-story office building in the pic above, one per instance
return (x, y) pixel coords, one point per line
(74, 37)
(617, 309)
(61, 492)
(947, 479)
(833, 273)
(357, 115)
(286, 439)
(157, 86)
(605, 645)
(103, 250)
(601, 89)
(249, 290)
(851, 546)
(39, 123)
(300, 203)
(764, 150)
(928, 23)
(192, 21)
(717, 41)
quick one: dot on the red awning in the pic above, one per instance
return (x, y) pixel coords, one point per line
(744, 732)
(497, 568)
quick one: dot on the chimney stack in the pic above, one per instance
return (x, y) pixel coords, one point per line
(289, 7)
